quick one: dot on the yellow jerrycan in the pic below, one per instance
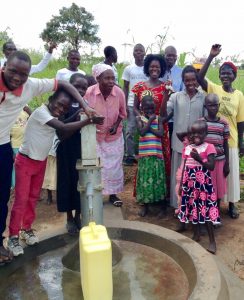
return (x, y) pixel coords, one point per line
(96, 263)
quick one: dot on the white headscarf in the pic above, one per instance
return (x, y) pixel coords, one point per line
(98, 69)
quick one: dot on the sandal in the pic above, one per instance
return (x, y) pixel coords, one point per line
(233, 212)
(71, 227)
(6, 256)
(115, 201)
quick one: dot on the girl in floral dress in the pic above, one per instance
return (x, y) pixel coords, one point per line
(199, 201)
(150, 179)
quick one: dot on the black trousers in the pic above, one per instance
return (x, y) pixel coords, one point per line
(6, 167)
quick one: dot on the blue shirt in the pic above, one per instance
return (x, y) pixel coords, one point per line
(174, 74)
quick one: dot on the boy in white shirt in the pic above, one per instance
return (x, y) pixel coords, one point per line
(74, 62)
(16, 90)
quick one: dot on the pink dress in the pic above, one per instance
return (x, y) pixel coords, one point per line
(198, 198)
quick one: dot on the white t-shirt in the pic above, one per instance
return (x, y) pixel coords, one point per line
(38, 137)
(65, 74)
(133, 74)
(11, 107)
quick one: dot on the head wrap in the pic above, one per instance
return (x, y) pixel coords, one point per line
(98, 69)
(146, 93)
(231, 65)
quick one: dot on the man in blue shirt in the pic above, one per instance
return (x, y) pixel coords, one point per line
(173, 74)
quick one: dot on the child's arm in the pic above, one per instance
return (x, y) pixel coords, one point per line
(167, 107)
(76, 95)
(74, 117)
(158, 132)
(215, 50)
(136, 106)
(142, 127)
(226, 169)
(181, 135)
(209, 164)
(64, 131)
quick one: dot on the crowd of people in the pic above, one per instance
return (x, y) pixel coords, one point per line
(183, 132)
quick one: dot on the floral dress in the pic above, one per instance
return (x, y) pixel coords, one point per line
(157, 91)
(199, 200)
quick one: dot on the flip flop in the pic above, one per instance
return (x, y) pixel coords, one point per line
(115, 201)
(6, 256)
(71, 227)
(233, 213)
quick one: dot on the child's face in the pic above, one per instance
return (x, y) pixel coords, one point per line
(16, 73)
(198, 134)
(59, 106)
(81, 85)
(9, 49)
(190, 82)
(74, 60)
(148, 108)
(212, 105)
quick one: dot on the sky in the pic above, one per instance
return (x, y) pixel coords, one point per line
(193, 25)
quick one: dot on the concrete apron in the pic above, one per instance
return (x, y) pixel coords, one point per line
(205, 277)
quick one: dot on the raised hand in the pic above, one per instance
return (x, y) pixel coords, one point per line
(215, 50)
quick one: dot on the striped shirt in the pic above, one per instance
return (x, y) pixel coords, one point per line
(150, 144)
(218, 131)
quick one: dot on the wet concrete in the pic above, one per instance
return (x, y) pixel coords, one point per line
(143, 273)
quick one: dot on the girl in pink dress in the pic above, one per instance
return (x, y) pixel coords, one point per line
(198, 198)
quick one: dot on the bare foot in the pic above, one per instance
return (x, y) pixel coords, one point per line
(181, 228)
(162, 214)
(196, 238)
(143, 212)
(212, 248)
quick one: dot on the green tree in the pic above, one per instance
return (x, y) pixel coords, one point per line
(4, 37)
(73, 27)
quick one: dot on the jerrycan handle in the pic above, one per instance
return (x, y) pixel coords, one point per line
(92, 226)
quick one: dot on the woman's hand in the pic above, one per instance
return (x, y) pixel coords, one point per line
(97, 120)
(215, 50)
(90, 112)
(151, 118)
(195, 155)
(113, 129)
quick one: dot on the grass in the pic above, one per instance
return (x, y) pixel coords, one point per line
(87, 63)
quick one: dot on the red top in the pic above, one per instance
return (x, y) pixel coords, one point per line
(157, 91)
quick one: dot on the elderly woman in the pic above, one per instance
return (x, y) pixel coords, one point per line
(232, 109)
(109, 101)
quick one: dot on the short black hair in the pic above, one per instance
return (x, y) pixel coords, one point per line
(108, 51)
(201, 123)
(158, 57)
(75, 76)
(145, 99)
(56, 94)
(7, 43)
(20, 55)
(188, 69)
(91, 80)
(75, 51)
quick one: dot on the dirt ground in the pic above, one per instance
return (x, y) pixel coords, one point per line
(229, 237)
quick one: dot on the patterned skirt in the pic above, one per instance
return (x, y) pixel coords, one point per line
(150, 180)
(199, 200)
